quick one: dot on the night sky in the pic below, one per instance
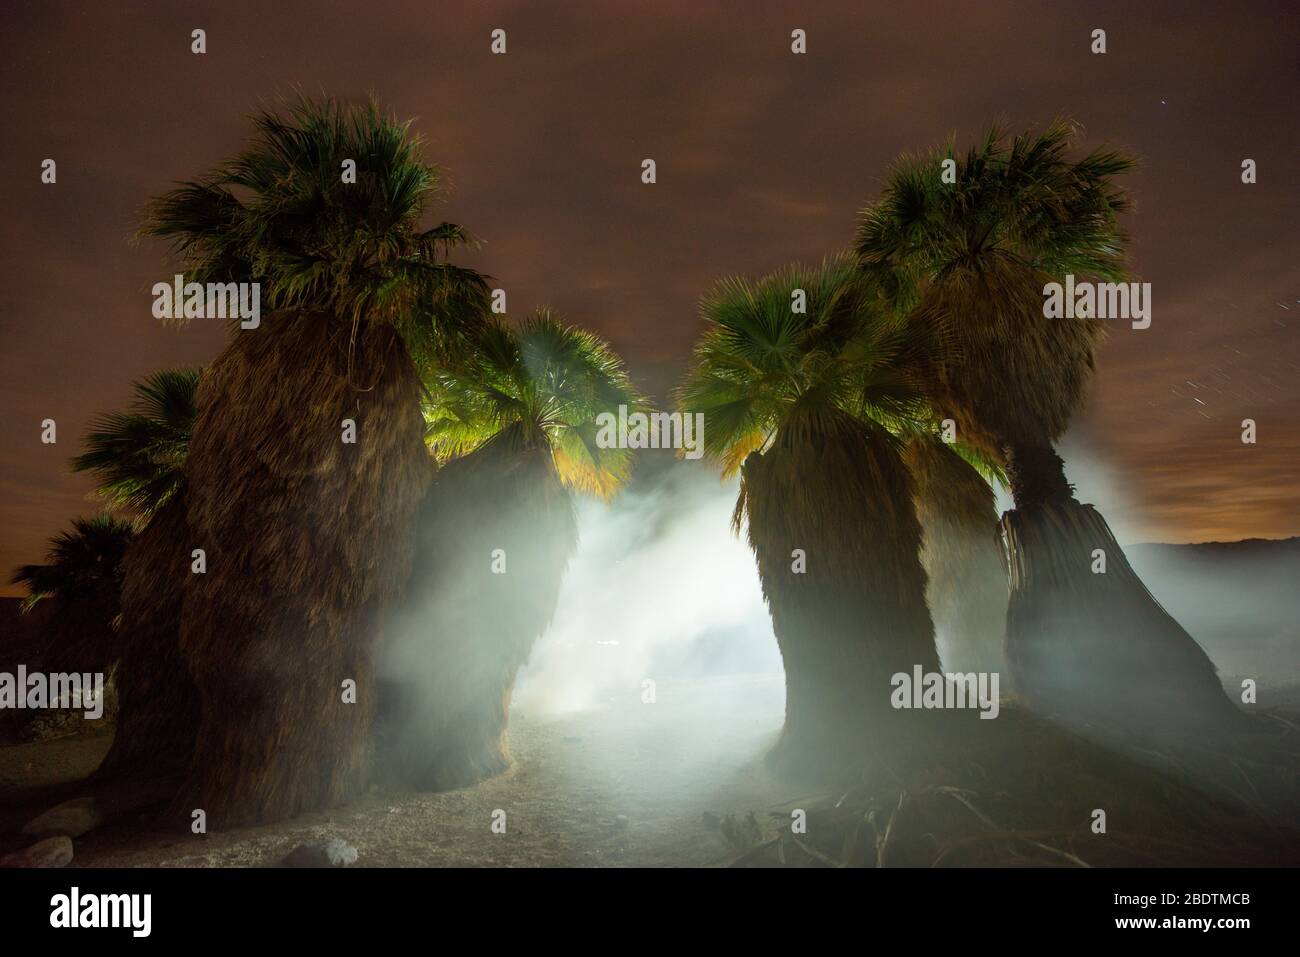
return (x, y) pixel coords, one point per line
(763, 157)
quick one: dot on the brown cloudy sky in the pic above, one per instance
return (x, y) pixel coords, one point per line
(763, 157)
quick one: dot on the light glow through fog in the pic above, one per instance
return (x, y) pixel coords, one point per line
(660, 588)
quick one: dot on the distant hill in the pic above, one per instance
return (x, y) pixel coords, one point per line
(1272, 549)
(1240, 600)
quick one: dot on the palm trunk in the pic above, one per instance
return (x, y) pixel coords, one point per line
(308, 538)
(79, 639)
(1036, 474)
(1085, 639)
(496, 534)
(837, 493)
(962, 556)
(157, 700)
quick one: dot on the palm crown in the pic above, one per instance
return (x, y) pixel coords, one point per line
(139, 456)
(969, 259)
(1019, 200)
(760, 362)
(281, 213)
(542, 385)
(80, 561)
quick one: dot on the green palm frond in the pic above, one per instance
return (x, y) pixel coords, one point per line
(280, 213)
(761, 362)
(139, 456)
(79, 561)
(988, 467)
(969, 261)
(1019, 198)
(545, 383)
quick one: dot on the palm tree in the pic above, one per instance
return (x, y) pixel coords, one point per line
(82, 578)
(139, 457)
(962, 551)
(802, 405)
(971, 260)
(308, 460)
(515, 425)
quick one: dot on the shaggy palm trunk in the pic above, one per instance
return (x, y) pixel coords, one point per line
(1085, 639)
(496, 534)
(962, 556)
(79, 630)
(835, 494)
(157, 701)
(308, 537)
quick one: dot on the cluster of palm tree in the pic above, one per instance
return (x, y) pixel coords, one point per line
(248, 670)
(286, 598)
(830, 415)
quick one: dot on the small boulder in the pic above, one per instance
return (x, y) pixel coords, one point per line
(51, 852)
(71, 819)
(49, 725)
(331, 853)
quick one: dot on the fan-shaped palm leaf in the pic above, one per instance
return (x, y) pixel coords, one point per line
(548, 381)
(139, 456)
(282, 213)
(970, 259)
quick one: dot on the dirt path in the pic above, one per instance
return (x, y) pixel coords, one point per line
(626, 784)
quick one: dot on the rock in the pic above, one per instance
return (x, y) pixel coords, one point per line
(49, 725)
(51, 852)
(331, 853)
(71, 818)
(621, 821)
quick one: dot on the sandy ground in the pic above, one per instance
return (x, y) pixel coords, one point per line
(619, 784)
(624, 784)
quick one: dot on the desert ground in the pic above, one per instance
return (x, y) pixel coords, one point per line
(622, 784)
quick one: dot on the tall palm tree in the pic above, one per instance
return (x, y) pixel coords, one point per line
(962, 551)
(802, 405)
(308, 460)
(515, 424)
(972, 259)
(82, 577)
(139, 458)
